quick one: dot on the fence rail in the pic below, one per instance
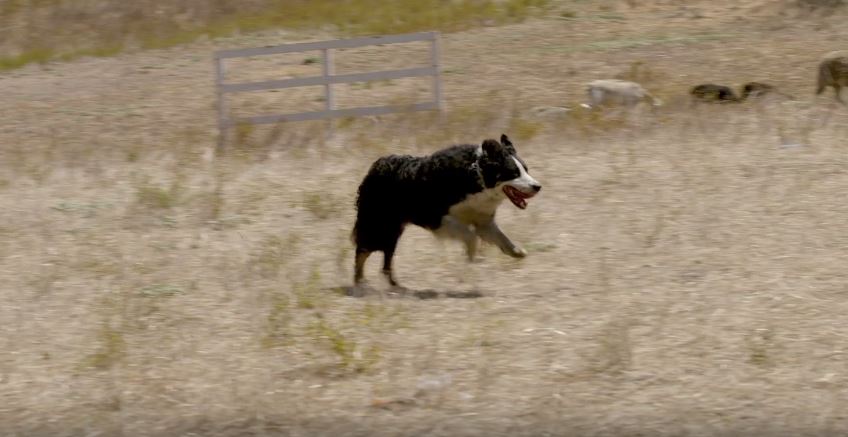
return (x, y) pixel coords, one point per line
(332, 44)
(327, 79)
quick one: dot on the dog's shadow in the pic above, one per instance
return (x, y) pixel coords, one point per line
(366, 290)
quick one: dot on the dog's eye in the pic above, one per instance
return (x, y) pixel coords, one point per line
(511, 174)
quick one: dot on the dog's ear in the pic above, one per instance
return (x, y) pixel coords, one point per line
(507, 144)
(491, 147)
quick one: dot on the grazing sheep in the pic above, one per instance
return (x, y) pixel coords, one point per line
(719, 93)
(759, 89)
(833, 71)
(756, 89)
(610, 92)
(713, 93)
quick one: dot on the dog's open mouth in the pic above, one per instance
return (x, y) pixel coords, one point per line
(517, 197)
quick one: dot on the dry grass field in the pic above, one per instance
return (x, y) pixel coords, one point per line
(685, 274)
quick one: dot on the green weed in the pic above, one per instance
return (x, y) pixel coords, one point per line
(351, 355)
(321, 205)
(155, 24)
(524, 129)
(309, 294)
(277, 323)
(112, 349)
(156, 197)
(160, 290)
(37, 55)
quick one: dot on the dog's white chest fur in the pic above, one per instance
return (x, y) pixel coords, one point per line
(478, 208)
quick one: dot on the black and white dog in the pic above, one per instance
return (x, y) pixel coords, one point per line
(453, 192)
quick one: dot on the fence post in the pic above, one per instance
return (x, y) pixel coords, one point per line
(438, 98)
(222, 105)
(330, 101)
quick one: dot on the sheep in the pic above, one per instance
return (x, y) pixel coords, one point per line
(759, 89)
(608, 92)
(722, 94)
(713, 93)
(833, 71)
(756, 89)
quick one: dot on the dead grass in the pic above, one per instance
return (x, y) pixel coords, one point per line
(685, 274)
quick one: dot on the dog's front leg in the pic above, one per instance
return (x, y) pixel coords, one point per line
(491, 233)
(453, 228)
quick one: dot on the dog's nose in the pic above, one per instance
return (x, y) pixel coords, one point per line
(536, 187)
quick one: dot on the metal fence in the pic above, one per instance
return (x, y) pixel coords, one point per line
(327, 79)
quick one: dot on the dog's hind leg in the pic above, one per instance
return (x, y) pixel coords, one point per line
(491, 233)
(389, 246)
(388, 254)
(359, 265)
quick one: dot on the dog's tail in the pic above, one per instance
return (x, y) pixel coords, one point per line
(380, 200)
(372, 193)
(357, 224)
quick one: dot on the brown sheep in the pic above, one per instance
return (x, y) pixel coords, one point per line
(833, 71)
(714, 93)
(759, 89)
(756, 89)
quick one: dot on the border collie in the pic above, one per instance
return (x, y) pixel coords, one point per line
(453, 192)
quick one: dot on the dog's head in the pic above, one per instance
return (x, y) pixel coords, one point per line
(506, 173)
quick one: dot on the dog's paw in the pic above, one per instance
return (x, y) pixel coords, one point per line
(518, 252)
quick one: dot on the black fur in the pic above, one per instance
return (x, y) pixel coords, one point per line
(714, 93)
(403, 189)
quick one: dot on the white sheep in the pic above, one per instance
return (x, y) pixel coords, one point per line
(616, 92)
